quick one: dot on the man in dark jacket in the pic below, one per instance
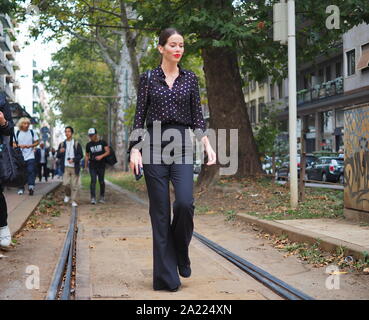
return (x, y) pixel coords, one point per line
(70, 154)
(41, 155)
(6, 129)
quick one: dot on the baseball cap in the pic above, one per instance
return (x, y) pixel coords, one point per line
(92, 131)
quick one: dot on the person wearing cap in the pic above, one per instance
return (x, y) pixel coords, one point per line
(96, 150)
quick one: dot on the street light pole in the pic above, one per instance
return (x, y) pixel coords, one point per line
(292, 101)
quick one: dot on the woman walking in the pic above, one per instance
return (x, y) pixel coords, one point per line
(170, 97)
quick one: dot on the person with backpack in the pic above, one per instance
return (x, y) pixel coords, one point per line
(27, 140)
(70, 154)
(6, 130)
(96, 152)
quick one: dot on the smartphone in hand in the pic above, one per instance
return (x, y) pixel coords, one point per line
(140, 173)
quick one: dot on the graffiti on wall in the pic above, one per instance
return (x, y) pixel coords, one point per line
(356, 140)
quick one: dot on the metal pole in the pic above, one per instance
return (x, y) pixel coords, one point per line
(292, 102)
(126, 127)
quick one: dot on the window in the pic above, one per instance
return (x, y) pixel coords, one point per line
(271, 91)
(252, 113)
(338, 69)
(350, 62)
(364, 59)
(262, 109)
(328, 76)
(280, 90)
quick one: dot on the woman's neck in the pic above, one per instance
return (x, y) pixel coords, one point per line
(169, 67)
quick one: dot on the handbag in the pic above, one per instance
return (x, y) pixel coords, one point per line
(13, 170)
(111, 159)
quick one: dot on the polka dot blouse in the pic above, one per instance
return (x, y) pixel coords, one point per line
(178, 105)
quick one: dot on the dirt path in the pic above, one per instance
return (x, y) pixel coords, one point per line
(116, 246)
(115, 251)
(37, 248)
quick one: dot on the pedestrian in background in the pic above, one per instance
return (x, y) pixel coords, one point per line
(41, 156)
(6, 130)
(70, 154)
(27, 141)
(171, 96)
(96, 152)
(51, 164)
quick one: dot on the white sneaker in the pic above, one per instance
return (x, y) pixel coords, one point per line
(74, 204)
(66, 199)
(93, 201)
(20, 191)
(5, 237)
(102, 200)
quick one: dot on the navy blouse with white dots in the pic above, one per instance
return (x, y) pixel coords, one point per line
(178, 105)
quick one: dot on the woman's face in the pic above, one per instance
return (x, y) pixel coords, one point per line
(173, 49)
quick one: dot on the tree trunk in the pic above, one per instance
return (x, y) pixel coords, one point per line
(228, 110)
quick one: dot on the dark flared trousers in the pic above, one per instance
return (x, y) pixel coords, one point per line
(171, 236)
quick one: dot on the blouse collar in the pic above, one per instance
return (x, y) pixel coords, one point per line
(162, 74)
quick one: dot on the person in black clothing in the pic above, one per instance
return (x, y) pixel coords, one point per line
(41, 156)
(6, 129)
(171, 97)
(96, 151)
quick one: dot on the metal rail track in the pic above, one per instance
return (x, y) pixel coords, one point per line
(281, 288)
(60, 287)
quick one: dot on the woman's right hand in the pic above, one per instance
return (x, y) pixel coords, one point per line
(135, 160)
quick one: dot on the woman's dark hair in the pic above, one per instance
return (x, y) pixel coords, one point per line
(166, 33)
(70, 128)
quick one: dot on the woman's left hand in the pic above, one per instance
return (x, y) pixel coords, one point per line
(212, 157)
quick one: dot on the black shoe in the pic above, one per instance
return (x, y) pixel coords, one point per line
(184, 271)
(166, 288)
(174, 289)
(31, 192)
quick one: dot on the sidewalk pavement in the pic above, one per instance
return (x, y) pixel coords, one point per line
(20, 207)
(332, 233)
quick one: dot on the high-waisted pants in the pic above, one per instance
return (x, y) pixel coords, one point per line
(171, 237)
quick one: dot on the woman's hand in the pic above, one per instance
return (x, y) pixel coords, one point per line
(212, 157)
(135, 160)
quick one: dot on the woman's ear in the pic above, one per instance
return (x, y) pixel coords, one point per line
(160, 48)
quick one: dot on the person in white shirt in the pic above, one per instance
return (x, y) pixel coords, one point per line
(70, 153)
(27, 140)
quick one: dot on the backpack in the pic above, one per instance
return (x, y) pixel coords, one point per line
(32, 133)
(13, 170)
(111, 159)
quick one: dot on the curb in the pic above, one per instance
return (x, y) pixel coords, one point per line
(24, 217)
(299, 235)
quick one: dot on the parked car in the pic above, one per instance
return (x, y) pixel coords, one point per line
(284, 170)
(326, 169)
(267, 164)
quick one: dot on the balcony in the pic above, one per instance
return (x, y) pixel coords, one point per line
(10, 55)
(5, 43)
(16, 46)
(320, 91)
(5, 20)
(5, 67)
(16, 65)
(16, 85)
